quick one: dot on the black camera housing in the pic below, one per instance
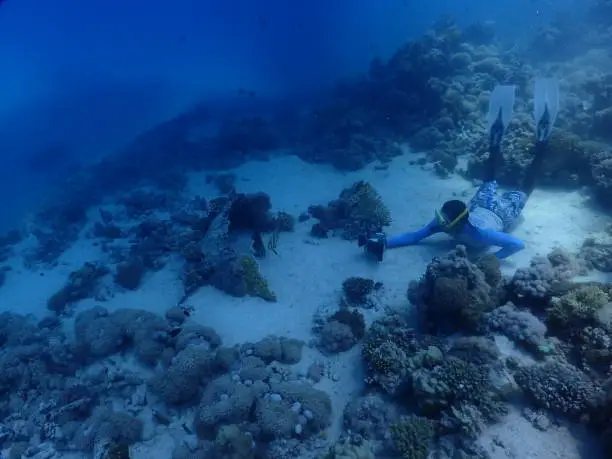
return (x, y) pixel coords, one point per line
(373, 245)
(362, 239)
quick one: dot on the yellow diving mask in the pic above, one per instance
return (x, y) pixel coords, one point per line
(447, 224)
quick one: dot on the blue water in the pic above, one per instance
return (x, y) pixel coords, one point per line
(90, 75)
(124, 310)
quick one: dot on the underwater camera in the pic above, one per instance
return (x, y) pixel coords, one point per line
(373, 244)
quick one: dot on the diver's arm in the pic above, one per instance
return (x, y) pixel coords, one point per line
(508, 243)
(414, 237)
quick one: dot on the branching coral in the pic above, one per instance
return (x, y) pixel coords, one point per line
(357, 290)
(413, 436)
(576, 310)
(392, 350)
(559, 387)
(388, 363)
(453, 381)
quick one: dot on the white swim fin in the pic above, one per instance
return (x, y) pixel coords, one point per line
(501, 105)
(545, 106)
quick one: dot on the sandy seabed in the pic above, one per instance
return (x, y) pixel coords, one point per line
(307, 276)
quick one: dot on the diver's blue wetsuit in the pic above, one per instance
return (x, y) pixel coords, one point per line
(490, 217)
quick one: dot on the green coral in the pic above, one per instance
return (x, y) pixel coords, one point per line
(413, 436)
(576, 310)
(255, 283)
(366, 204)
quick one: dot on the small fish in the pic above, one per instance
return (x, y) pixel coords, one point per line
(273, 240)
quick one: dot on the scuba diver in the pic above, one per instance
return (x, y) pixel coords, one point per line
(487, 219)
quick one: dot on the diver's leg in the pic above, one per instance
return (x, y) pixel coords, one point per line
(510, 205)
(501, 109)
(485, 196)
(492, 164)
(546, 107)
(535, 168)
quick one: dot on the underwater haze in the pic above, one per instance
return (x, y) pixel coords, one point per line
(90, 75)
(261, 229)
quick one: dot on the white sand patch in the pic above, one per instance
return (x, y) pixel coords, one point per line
(27, 290)
(556, 219)
(308, 273)
(516, 437)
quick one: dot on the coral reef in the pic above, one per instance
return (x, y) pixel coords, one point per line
(520, 326)
(242, 403)
(559, 387)
(596, 251)
(81, 284)
(357, 291)
(413, 437)
(358, 210)
(576, 310)
(340, 331)
(254, 283)
(426, 91)
(350, 448)
(537, 283)
(370, 416)
(217, 240)
(279, 349)
(432, 385)
(454, 293)
(129, 274)
(431, 93)
(567, 163)
(450, 385)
